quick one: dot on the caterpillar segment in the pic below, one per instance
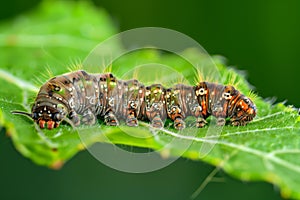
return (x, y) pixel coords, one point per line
(155, 105)
(174, 100)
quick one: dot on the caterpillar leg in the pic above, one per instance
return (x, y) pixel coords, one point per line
(157, 122)
(179, 124)
(175, 114)
(221, 121)
(110, 119)
(131, 120)
(201, 122)
(88, 118)
(74, 118)
(235, 122)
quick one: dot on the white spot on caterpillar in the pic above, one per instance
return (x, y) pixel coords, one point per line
(71, 103)
(111, 101)
(227, 95)
(132, 104)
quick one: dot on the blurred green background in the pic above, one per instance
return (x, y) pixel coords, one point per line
(260, 37)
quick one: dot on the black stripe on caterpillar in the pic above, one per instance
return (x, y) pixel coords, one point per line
(82, 97)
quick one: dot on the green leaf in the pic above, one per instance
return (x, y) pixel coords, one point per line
(52, 35)
(267, 149)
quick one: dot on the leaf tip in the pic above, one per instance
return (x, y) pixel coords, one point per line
(57, 165)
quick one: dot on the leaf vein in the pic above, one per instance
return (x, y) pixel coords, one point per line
(261, 154)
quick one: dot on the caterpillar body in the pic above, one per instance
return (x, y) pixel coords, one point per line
(82, 97)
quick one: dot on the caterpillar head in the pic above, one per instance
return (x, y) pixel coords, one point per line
(49, 108)
(46, 115)
(244, 111)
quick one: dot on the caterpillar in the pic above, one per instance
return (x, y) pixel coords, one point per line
(79, 98)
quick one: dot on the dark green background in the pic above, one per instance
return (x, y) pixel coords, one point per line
(261, 37)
